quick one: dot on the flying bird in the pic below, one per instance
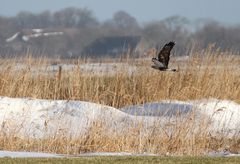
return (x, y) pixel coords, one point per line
(161, 62)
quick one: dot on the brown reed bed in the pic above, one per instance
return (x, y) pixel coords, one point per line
(205, 74)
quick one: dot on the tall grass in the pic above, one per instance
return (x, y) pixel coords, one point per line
(204, 74)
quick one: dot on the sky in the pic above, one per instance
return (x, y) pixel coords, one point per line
(225, 11)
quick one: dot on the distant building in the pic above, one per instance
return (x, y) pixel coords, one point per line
(112, 46)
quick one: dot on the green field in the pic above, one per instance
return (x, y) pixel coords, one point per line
(123, 160)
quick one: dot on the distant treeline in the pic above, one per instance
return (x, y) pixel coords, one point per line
(81, 27)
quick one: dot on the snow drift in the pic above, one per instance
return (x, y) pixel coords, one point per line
(46, 118)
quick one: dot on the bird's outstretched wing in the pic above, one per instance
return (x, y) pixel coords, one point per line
(164, 54)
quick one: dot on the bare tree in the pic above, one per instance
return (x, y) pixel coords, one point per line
(74, 17)
(123, 24)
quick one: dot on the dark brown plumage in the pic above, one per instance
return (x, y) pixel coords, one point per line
(162, 61)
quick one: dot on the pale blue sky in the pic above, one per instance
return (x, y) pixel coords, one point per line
(225, 11)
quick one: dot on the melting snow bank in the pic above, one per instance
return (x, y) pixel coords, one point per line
(222, 154)
(19, 154)
(47, 118)
(15, 154)
(216, 116)
(114, 154)
(223, 115)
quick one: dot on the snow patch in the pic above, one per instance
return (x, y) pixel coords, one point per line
(222, 154)
(46, 118)
(114, 154)
(224, 115)
(12, 37)
(37, 30)
(15, 154)
(157, 109)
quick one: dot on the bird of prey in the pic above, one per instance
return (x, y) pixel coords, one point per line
(161, 62)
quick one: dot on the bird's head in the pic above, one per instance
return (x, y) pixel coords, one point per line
(154, 59)
(172, 43)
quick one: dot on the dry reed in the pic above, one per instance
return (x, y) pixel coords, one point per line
(205, 74)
